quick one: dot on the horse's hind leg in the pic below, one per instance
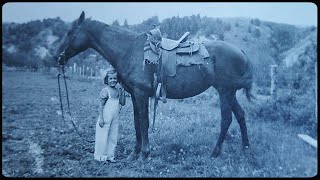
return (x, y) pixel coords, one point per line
(240, 116)
(225, 96)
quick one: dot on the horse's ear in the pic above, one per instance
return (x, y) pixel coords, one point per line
(81, 18)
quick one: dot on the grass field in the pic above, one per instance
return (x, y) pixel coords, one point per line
(37, 142)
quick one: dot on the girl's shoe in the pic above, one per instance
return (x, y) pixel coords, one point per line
(111, 160)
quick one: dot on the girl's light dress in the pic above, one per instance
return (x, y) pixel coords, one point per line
(106, 137)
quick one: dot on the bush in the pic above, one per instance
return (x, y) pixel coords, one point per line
(245, 39)
(227, 27)
(249, 29)
(255, 21)
(221, 36)
(291, 107)
(256, 33)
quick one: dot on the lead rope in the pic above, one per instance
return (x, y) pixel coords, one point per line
(61, 105)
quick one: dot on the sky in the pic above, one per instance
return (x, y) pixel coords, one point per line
(299, 13)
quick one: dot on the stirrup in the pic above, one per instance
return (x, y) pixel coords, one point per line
(158, 91)
(163, 95)
(163, 99)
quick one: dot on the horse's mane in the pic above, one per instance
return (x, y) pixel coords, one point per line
(97, 27)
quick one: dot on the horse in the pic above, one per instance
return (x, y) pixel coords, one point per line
(227, 70)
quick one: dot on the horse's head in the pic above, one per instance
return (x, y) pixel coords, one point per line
(74, 41)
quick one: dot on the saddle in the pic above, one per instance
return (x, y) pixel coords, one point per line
(168, 54)
(173, 53)
(170, 44)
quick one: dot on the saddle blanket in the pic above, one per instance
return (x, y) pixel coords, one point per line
(170, 59)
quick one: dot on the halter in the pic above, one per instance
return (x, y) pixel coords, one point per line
(63, 53)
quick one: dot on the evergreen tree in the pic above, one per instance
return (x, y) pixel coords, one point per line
(125, 24)
(115, 23)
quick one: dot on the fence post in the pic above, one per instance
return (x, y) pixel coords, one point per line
(274, 82)
(74, 68)
(83, 69)
(97, 72)
(88, 71)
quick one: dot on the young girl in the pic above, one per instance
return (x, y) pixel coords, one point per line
(106, 136)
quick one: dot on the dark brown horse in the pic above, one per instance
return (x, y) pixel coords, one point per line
(228, 69)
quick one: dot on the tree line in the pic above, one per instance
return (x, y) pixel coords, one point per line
(27, 36)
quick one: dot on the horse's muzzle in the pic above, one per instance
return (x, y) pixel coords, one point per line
(61, 58)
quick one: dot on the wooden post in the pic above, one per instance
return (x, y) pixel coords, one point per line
(91, 72)
(80, 71)
(97, 72)
(74, 68)
(101, 73)
(83, 69)
(87, 71)
(274, 83)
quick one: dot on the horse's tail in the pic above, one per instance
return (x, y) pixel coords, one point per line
(248, 80)
(249, 94)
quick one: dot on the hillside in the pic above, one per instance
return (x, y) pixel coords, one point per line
(266, 43)
(305, 45)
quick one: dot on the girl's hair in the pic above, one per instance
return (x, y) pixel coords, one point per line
(109, 71)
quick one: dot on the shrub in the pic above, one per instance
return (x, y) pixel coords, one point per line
(249, 29)
(245, 39)
(256, 33)
(291, 107)
(255, 21)
(227, 27)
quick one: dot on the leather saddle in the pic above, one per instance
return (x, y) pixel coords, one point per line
(170, 50)
(181, 46)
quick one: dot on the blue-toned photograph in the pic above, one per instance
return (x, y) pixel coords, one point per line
(159, 90)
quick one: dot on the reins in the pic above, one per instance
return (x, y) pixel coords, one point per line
(61, 104)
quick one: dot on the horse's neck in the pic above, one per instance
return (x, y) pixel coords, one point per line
(122, 50)
(112, 44)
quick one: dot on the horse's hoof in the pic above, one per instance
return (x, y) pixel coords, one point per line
(133, 156)
(215, 153)
(144, 156)
(245, 146)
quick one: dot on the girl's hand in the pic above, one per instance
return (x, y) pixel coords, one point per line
(121, 90)
(101, 123)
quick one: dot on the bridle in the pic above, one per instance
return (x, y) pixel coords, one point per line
(63, 53)
(62, 69)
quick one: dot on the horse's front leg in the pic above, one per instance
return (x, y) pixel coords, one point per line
(140, 102)
(134, 154)
(143, 102)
